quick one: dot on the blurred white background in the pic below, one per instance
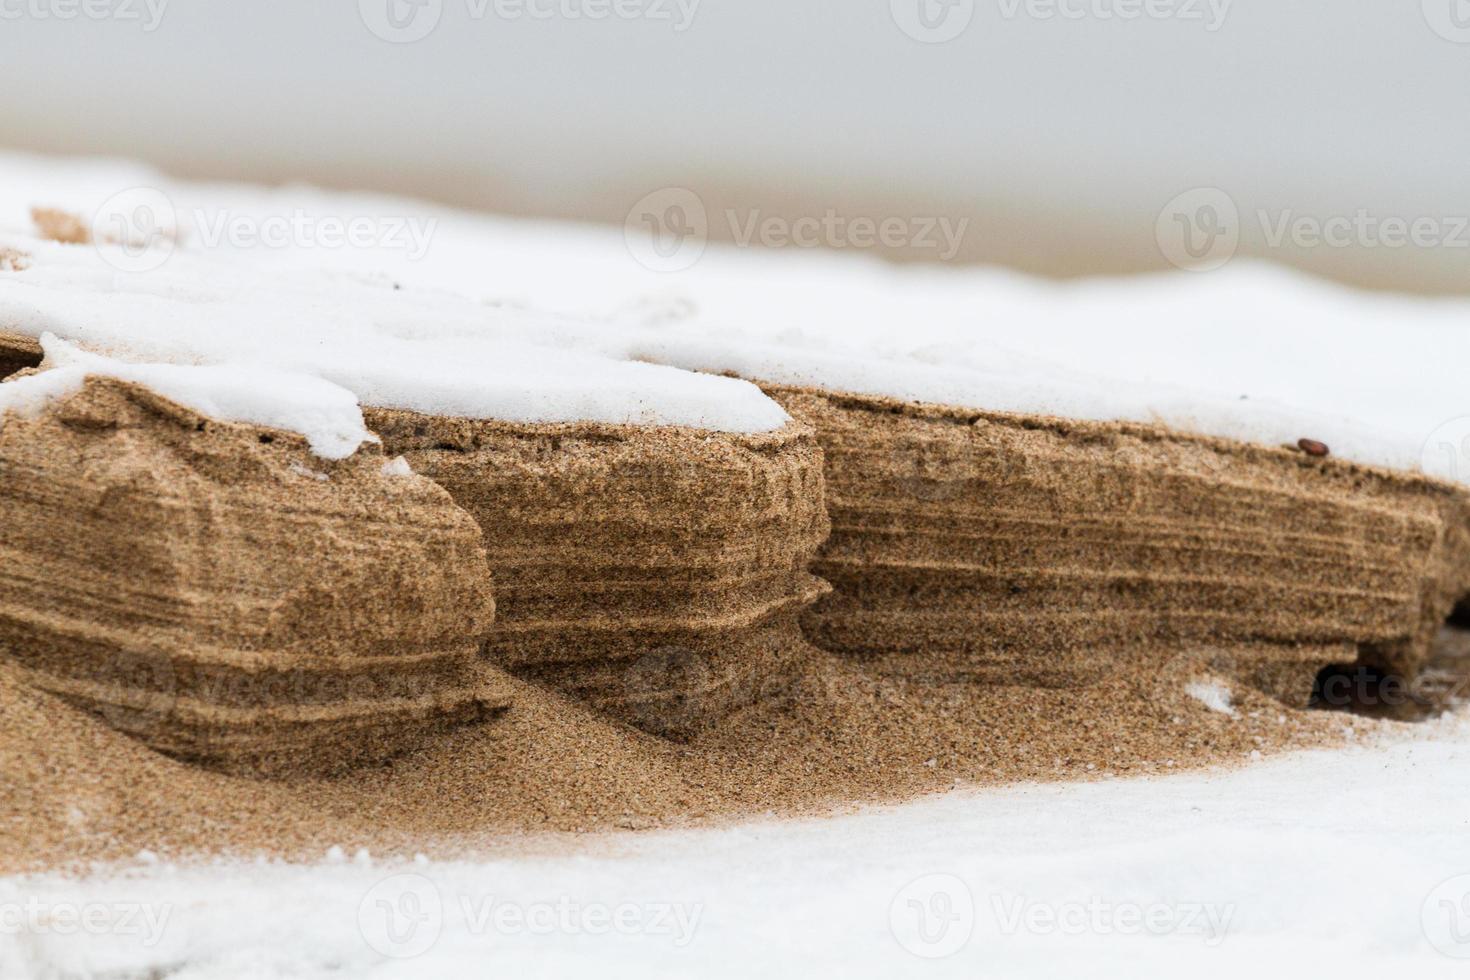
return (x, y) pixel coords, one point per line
(1059, 128)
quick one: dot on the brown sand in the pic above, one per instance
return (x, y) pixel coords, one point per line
(1026, 550)
(1179, 559)
(14, 259)
(653, 573)
(76, 790)
(61, 226)
(220, 593)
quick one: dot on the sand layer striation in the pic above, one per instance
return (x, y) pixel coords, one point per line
(1015, 599)
(1039, 551)
(226, 597)
(655, 573)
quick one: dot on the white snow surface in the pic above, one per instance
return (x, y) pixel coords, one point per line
(1212, 694)
(539, 321)
(326, 414)
(1347, 863)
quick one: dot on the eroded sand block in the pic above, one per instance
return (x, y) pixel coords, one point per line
(1028, 550)
(227, 597)
(656, 573)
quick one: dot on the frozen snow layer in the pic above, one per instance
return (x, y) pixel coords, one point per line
(1212, 694)
(420, 349)
(326, 414)
(1353, 863)
(425, 350)
(537, 321)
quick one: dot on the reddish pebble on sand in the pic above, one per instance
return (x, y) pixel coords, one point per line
(1312, 447)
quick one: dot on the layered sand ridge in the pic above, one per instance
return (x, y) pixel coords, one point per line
(1006, 549)
(1017, 596)
(218, 592)
(656, 576)
(655, 573)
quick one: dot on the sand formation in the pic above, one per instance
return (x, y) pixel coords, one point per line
(656, 573)
(220, 593)
(665, 576)
(1026, 550)
(705, 542)
(877, 600)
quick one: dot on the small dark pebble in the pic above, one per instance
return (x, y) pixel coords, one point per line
(1312, 447)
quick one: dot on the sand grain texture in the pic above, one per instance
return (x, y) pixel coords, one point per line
(1016, 599)
(1039, 551)
(656, 573)
(220, 593)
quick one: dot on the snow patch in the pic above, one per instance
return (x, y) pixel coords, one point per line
(397, 466)
(548, 322)
(326, 414)
(1200, 874)
(1213, 695)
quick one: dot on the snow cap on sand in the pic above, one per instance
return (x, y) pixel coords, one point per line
(326, 414)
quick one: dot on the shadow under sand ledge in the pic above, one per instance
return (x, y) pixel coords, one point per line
(18, 353)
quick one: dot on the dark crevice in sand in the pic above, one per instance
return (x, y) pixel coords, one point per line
(1365, 687)
(17, 353)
